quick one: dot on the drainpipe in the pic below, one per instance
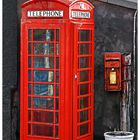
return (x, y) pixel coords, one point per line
(126, 94)
(128, 98)
(134, 75)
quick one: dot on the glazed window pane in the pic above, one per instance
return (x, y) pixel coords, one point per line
(43, 35)
(44, 103)
(40, 48)
(84, 35)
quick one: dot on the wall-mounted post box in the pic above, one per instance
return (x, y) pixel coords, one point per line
(112, 63)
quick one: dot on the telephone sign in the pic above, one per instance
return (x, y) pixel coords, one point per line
(57, 70)
(78, 14)
(45, 14)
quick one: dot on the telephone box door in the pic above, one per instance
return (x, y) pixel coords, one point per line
(42, 92)
(83, 82)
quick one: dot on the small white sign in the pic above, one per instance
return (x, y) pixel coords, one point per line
(45, 13)
(79, 14)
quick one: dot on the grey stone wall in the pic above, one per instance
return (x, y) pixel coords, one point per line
(10, 60)
(113, 32)
(125, 3)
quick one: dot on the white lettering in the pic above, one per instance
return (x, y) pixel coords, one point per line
(45, 13)
(79, 14)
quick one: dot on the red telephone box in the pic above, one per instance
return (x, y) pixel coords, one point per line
(57, 70)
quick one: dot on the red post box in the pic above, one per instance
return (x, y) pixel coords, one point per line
(112, 63)
(57, 70)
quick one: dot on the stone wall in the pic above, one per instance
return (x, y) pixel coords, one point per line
(10, 63)
(113, 33)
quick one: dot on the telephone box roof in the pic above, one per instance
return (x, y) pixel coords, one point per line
(65, 2)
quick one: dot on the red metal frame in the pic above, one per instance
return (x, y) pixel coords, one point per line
(69, 125)
(25, 69)
(76, 94)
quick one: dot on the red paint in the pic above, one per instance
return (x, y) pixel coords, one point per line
(38, 117)
(113, 64)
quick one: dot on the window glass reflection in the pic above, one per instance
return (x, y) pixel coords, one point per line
(29, 115)
(40, 48)
(29, 34)
(43, 62)
(84, 76)
(57, 35)
(57, 76)
(42, 130)
(29, 102)
(83, 129)
(29, 48)
(29, 62)
(43, 76)
(84, 102)
(43, 35)
(44, 103)
(57, 63)
(84, 49)
(29, 75)
(30, 88)
(56, 131)
(57, 104)
(57, 90)
(84, 62)
(84, 35)
(83, 116)
(43, 89)
(46, 117)
(57, 49)
(57, 117)
(84, 89)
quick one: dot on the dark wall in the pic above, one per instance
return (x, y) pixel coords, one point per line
(113, 32)
(10, 60)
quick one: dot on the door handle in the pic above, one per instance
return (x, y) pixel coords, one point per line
(75, 76)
